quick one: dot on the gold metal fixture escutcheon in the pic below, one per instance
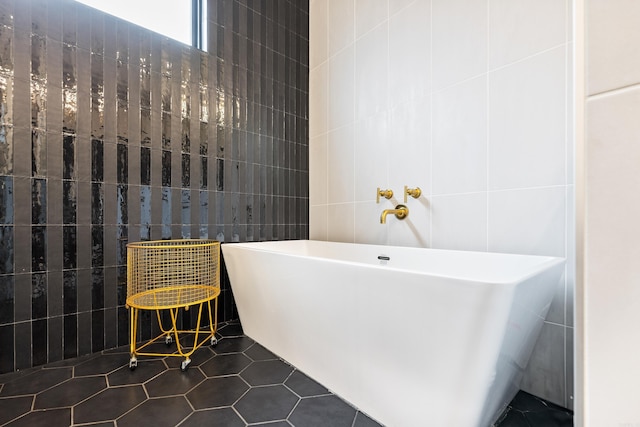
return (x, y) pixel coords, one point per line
(387, 194)
(401, 212)
(413, 192)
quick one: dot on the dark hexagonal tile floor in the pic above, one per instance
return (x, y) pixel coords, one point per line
(147, 369)
(225, 364)
(14, 407)
(45, 418)
(226, 417)
(70, 392)
(314, 411)
(258, 352)
(305, 386)
(173, 381)
(101, 365)
(165, 411)
(267, 372)
(217, 392)
(35, 382)
(235, 384)
(109, 404)
(270, 403)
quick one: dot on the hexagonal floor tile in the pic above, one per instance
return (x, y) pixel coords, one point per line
(146, 370)
(108, 404)
(225, 364)
(46, 418)
(217, 392)
(13, 407)
(72, 362)
(35, 382)
(267, 372)
(305, 386)
(101, 365)
(363, 420)
(70, 392)
(122, 349)
(258, 352)
(226, 417)
(322, 411)
(174, 381)
(165, 411)
(262, 404)
(233, 345)
(231, 330)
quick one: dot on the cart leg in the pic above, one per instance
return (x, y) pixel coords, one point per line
(132, 337)
(196, 342)
(174, 316)
(213, 326)
(161, 323)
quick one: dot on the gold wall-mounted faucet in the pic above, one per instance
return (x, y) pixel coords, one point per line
(387, 194)
(401, 212)
(413, 192)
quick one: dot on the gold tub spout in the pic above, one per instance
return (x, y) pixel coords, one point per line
(401, 212)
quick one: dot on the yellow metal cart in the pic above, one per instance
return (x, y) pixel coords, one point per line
(170, 275)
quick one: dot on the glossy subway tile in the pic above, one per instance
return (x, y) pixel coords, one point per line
(7, 299)
(38, 248)
(96, 97)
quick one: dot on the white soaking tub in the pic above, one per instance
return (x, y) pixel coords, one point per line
(426, 338)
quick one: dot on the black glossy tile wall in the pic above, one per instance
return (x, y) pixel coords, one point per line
(110, 134)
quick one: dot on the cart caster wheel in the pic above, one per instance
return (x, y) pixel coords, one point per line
(133, 364)
(185, 365)
(168, 340)
(214, 341)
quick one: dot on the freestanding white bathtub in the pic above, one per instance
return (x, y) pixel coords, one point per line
(426, 338)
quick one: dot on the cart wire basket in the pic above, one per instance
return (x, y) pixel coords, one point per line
(171, 275)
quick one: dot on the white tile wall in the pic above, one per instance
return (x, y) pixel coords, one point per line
(318, 100)
(371, 72)
(318, 44)
(318, 222)
(460, 138)
(460, 221)
(341, 78)
(518, 29)
(370, 163)
(409, 53)
(340, 161)
(546, 369)
(411, 230)
(397, 5)
(340, 220)
(612, 294)
(466, 99)
(527, 122)
(367, 222)
(536, 216)
(614, 58)
(318, 169)
(409, 148)
(340, 14)
(369, 14)
(459, 40)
